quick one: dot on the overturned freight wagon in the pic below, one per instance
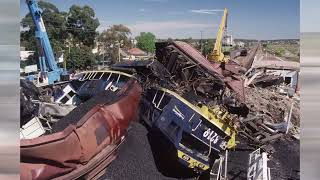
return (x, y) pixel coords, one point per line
(84, 142)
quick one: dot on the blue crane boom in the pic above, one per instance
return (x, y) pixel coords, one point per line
(50, 71)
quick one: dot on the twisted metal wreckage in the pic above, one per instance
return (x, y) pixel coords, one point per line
(195, 104)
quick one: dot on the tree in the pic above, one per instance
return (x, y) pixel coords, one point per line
(82, 24)
(75, 29)
(110, 40)
(189, 40)
(55, 25)
(146, 41)
(80, 58)
(208, 47)
(170, 39)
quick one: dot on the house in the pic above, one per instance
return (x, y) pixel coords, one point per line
(25, 54)
(289, 70)
(136, 54)
(240, 44)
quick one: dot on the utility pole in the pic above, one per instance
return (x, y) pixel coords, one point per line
(65, 64)
(103, 58)
(201, 41)
(119, 45)
(119, 52)
(65, 60)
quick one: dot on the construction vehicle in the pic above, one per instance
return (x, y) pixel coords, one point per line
(49, 73)
(217, 54)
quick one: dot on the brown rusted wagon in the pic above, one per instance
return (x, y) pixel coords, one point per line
(85, 141)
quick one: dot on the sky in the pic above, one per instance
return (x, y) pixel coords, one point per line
(258, 19)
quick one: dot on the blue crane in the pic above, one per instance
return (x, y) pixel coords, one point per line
(49, 70)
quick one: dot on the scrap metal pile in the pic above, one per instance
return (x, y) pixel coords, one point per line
(198, 107)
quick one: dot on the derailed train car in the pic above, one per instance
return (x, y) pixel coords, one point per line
(188, 100)
(198, 133)
(184, 96)
(85, 141)
(87, 84)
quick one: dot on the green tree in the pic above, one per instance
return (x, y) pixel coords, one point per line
(110, 40)
(54, 21)
(146, 41)
(80, 58)
(76, 29)
(208, 47)
(82, 24)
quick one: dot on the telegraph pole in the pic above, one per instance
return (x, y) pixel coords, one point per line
(119, 52)
(201, 40)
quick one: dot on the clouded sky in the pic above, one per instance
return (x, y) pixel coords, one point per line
(256, 19)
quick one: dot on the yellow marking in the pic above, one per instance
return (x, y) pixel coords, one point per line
(192, 162)
(232, 141)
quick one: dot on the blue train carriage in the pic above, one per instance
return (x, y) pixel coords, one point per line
(198, 133)
(85, 85)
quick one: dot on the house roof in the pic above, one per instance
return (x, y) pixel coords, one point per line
(136, 52)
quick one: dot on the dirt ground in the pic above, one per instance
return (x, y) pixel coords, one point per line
(142, 156)
(284, 162)
(139, 158)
